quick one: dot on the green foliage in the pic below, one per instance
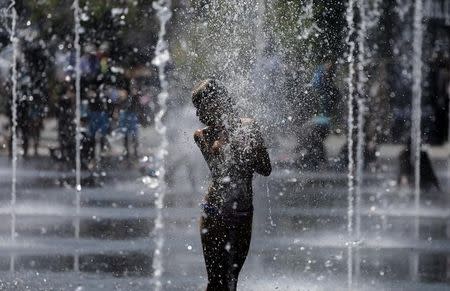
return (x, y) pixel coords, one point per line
(312, 29)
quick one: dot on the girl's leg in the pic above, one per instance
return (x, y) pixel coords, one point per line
(214, 237)
(240, 236)
(125, 145)
(37, 138)
(134, 137)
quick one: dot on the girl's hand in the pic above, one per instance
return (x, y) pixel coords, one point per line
(220, 143)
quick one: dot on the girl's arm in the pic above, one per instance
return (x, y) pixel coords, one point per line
(262, 166)
(199, 139)
(262, 163)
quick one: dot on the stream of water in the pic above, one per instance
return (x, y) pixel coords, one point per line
(160, 60)
(417, 112)
(14, 41)
(76, 13)
(350, 16)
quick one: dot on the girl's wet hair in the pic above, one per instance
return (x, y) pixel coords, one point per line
(211, 90)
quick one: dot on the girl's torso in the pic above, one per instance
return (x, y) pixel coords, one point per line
(229, 158)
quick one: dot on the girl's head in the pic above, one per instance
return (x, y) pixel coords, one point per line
(213, 104)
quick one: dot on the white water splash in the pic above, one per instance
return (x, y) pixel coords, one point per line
(350, 16)
(160, 60)
(417, 113)
(77, 28)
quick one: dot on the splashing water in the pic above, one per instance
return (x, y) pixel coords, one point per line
(260, 35)
(270, 204)
(260, 45)
(417, 113)
(351, 30)
(14, 41)
(76, 13)
(160, 60)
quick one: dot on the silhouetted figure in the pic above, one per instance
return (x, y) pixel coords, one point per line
(431, 266)
(234, 150)
(316, 130)
(428, 179)
(128, 121)
(35, 119)
(311, 147)
(29, 124)
(98, 117)
(66, 124)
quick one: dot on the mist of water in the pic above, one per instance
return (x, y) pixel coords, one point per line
(77, 28)
(160, 60)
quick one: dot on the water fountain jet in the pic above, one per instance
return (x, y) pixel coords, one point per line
(77, 28)
(350, 17)
(14, 40)
(160, 60)
(417, 114)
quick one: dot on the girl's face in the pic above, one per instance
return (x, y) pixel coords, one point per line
(209, 113)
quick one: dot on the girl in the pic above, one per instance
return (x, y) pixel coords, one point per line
(234, 149)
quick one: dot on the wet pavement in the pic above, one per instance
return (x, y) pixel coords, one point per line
(300, 243)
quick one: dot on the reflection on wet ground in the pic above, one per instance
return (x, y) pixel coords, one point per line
(305, 247)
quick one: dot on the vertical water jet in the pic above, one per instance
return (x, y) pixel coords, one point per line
(350, 17)
(160, 60)
(361, 81)
(416, 115)
(76, 13)
(14, 40)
